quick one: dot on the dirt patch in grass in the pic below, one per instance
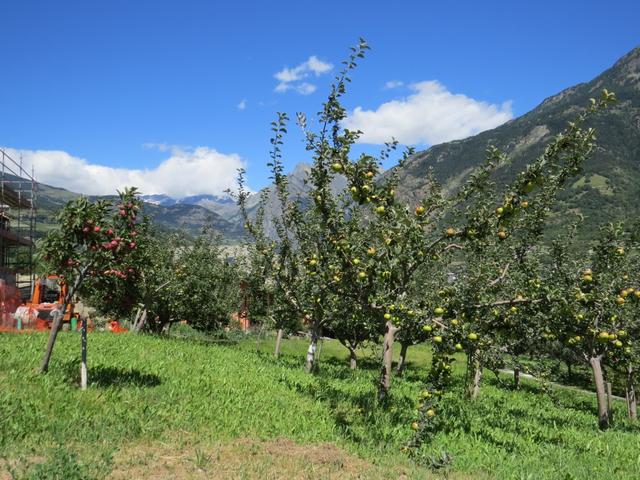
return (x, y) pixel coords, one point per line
(254, 459)
(10, 468)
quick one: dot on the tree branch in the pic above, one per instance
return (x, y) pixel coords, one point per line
(439, 323)
(501, 277)
(453, 245)
(514, 301)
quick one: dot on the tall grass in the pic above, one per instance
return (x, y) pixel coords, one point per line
(144, 389)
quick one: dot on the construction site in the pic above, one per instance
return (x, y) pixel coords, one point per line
(17, 239)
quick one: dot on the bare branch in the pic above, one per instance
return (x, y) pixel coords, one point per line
(453, 245)
(439, 323)
(514, 301)
(501, 277)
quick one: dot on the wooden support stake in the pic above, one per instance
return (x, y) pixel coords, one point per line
(83, 366)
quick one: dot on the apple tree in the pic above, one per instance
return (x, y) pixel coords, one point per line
(309, 253)
(176, 278)
(354, 277)
(270, 302)
(497, 287)
(595, 308)
(93, 242)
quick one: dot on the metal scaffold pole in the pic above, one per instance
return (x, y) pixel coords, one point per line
(17, 224)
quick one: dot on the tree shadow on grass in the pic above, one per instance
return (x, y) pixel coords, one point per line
(563, 398)
(357, 414)
(353, 406)
(337, 366)
(117, 377)
(105, 377)
(412, 373)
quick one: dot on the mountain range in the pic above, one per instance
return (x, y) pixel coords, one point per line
(609, 187)
(607, 190)
(188, 214)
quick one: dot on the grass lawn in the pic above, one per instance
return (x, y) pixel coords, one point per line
(175, 408)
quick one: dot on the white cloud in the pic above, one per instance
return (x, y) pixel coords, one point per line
(317, 66)
(243, 104)
(187, 171)
(429, 116)
(305, 88)
(393, 84)
(282, 87)
(289, 77)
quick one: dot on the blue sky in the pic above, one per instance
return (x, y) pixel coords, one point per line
(175, 95)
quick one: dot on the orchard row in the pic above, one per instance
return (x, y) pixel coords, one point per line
(470, 272)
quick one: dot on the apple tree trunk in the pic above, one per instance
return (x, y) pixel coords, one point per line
(311, 351)
(569, 370)
(403, 358)
(632, 402)
(276, 353)
(57, 320)
(474, 375)
(609, 401)
(55, 328)
(387, 362)
(353, 358)
(516, 377)
(140, 320)
(601, 394)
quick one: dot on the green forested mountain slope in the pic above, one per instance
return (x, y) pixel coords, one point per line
(609, 187)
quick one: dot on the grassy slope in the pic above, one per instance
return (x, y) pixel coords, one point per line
(188, 395)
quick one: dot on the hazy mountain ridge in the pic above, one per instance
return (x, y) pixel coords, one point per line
(191, 213)
(202, 200)
(164, 211)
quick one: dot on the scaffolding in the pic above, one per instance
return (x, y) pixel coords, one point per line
(17, 226)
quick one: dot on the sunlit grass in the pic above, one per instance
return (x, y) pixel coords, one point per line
(148, 390)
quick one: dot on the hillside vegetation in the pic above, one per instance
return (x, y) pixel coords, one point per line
(609, 187)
